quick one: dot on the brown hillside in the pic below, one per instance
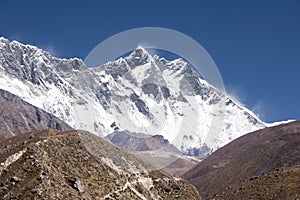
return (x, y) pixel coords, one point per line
(249, 156)
(57, 165)
(281, 184)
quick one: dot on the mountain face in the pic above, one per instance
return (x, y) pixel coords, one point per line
(79, 165)
(263, 159)
(140, 142)
(18, 116)
(139, 93)
(153, 150)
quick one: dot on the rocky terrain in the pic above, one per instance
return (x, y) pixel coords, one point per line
(262, 164)
(79, 165)
(18, 116)
(279, 184)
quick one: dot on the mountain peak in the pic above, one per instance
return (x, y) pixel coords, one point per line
(141, 48)
(139, 56)
(15, 43)
(143, 54)
(2, 38)
(3, 41)
(140, 52)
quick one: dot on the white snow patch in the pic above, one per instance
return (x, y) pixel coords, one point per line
(278, 123)
(111, 164)
(11, 159)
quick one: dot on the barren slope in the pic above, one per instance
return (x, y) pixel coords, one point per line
(53, 165)
(249, 156)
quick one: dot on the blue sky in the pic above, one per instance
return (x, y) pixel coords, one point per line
(255, 44)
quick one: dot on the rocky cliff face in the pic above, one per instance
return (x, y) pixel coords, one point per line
(18, 116)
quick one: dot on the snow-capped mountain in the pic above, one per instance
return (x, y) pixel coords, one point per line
(140, 93)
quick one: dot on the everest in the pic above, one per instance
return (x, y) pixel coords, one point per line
(140, 93)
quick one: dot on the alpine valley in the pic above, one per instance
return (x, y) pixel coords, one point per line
(140, 93)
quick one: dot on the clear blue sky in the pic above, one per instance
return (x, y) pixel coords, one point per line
(255, 44)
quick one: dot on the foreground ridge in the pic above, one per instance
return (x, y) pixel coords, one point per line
(57, 165)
